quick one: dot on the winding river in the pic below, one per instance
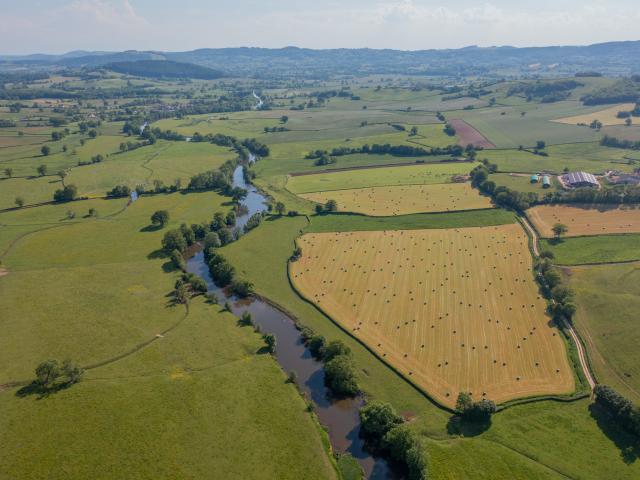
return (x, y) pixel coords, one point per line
(339, 416)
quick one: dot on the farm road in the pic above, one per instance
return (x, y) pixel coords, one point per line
(581, 353)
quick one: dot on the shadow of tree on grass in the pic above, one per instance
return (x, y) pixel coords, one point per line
(627, 444)
(467, 428)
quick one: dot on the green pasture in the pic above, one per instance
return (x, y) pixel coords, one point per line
(506, 127)
(524, 184)
(352, 222)
(373, 177)
(608, 299)
(595, 249)
(198, 398)
(589, 157)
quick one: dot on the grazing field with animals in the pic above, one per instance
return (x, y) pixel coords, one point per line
(404, 199)
(586, 219)
(453, 310)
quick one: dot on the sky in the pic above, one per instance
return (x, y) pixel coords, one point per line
(57, 26)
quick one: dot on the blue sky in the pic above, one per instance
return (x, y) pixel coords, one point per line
(56, 26)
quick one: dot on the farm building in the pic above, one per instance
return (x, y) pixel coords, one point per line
(546, 181)
(626, 179)
(534, 178)
(579, 179)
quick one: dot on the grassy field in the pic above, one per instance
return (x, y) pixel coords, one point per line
(596, 249)
(516, 445)
(586, 219)
(404, 199)
(355, 222)
(522, 183)
(198, 398)
(589, 157)
(608, 299)
(434, 307)
(422, 174)
(164, 161)
(607, 116)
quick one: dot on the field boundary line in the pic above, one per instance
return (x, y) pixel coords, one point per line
(567, 326)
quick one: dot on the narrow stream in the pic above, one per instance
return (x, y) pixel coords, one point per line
(339, 416)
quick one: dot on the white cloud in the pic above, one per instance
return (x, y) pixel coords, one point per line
(404, 24)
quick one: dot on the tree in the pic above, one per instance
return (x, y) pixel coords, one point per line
(242, 288)
(284, 119)
(559, 229)
(316, 345)
(93, 133)
(47, 373)
(333, 349)
(42, 170)
(340, 376)
(413, 132)
(377, 418)
(45, 150)
(474, 411)
(173, 240)
(628, 122)
(270, 342)
(398, 441)
(160, 218)
(540, 145)
(72, 372)
(211, 240)
(66, 194)
(8, 172)
(280, 208)
(19, 201)
(331, 206)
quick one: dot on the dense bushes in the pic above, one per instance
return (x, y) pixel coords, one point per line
(385, 433)
(623, 411)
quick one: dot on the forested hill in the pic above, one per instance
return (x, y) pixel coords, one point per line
(612, 58)
(164, 69)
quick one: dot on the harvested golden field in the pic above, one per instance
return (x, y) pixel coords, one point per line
(586, 219)
(404, 199)
(453, 310)
(608, 116)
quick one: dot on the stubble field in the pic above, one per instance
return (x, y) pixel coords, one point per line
(404, 199)
(453, 309)
(586, 219)
(607, 116)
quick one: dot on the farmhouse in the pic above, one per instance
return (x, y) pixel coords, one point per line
(579, 179)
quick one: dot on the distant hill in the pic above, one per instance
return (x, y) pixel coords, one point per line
(164, 69)
(612, 58)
